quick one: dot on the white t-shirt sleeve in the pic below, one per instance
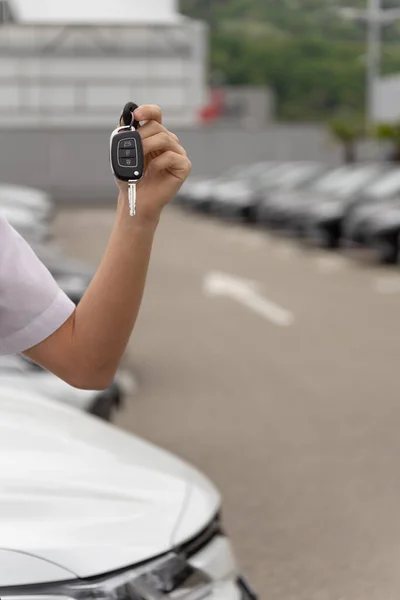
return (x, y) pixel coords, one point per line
(32, 306)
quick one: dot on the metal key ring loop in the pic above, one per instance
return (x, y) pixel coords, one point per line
(127, 115)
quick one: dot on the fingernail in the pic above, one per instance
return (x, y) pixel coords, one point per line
(138, 115)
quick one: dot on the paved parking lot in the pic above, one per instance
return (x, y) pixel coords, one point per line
(276, 371)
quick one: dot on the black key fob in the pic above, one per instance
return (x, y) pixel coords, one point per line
(126, 154)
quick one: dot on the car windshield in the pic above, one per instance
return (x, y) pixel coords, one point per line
(346, 180)
(387, 186)
(258, 170)
(274, 174)
(297, 176)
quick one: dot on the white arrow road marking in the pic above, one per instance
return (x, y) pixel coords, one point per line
(246, 293)
(387, 285)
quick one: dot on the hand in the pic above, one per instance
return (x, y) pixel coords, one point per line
(166, 165)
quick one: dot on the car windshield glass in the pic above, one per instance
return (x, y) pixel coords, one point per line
(345, 181)
(258, 169)
(260, 173)
(274, 174)
(331, 180)
(296, 177)
(247, 172)
(386, 186)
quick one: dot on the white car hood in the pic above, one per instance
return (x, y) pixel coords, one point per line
(47, 384)
(86, 496)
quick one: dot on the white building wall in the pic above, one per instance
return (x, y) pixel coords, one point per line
(93, 11)
(68, 76)
(387, 99)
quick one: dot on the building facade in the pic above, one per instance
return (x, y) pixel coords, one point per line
(64, 65)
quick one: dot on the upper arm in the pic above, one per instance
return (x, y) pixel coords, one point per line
(33, 309)
(55, 352)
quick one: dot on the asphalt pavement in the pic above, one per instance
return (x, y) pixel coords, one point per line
(274, 369)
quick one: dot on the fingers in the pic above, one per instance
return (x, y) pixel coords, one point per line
(171, 161)
(153, 117)
(162, 142)
(174, 137)
(148, 112)
(180, 150)
(152, 128)
(158, 139)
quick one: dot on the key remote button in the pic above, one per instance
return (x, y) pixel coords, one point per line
(127, 162)
(128, 143)
(127, 152)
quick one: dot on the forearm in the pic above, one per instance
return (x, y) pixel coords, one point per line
(106, 316)
(87, 349)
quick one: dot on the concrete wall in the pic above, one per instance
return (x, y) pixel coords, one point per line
(249, 106)
(74, 165)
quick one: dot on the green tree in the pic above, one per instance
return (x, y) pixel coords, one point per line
(312, 59)
(390, 132)
(347, 131)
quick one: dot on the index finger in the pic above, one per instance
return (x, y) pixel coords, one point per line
(148, 112)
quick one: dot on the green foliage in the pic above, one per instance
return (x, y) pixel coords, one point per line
(347, 129)
(312, 58)
(388, 132)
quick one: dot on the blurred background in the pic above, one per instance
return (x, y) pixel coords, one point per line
(268, 347)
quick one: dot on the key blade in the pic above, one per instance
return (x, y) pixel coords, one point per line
(132, 199)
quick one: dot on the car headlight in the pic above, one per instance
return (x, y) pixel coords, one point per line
(169, 577)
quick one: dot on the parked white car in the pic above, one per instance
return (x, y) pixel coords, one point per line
(26, 223)
(22, 374)
(35, 201)
(88, 512)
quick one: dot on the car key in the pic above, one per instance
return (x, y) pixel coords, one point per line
(126, 153)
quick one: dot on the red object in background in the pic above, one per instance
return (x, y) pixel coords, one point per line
(215, 108)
